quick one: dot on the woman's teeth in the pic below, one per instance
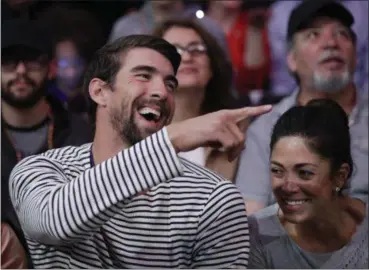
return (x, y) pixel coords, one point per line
(296, 202)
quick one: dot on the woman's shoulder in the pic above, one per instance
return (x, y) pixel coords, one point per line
(264, 224)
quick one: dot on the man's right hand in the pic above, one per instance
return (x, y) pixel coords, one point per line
(223, 130)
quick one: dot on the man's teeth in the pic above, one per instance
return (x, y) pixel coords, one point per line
(149, 111)
(295, 202)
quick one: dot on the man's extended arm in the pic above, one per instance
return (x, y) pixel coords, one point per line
(53, 208)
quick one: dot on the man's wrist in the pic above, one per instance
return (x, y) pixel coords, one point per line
(172, 136)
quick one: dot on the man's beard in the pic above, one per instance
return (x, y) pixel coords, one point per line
(124, 124)
(332, 84)
(28, 101)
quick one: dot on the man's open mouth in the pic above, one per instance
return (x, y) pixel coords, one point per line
(151, 114)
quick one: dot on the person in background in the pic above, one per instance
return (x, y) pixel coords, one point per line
(248, 43)
(155, 12)
(282, 83)
(204, 84)
(315, 225)
(126, 200)
(32, 121)
(74, 41)
(13, 255)
(323, 59)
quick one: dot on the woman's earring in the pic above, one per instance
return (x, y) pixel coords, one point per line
(338, 189)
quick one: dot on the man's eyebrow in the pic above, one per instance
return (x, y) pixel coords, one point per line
(149, 69)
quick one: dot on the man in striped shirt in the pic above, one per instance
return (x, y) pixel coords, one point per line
(127, 200)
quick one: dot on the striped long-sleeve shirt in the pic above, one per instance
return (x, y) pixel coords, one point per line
(144, 207)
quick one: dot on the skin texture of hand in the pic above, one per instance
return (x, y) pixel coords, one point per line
(222, 130)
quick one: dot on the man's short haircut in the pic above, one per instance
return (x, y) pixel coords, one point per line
(106, 61)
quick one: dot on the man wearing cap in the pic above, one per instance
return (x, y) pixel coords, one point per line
(282, 83)
(31, 121)
(322, 58)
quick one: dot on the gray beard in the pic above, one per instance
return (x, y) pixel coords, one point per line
(333, 84)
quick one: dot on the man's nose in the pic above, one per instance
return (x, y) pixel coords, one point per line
(20, 68)
(330, 40)
(159, 91)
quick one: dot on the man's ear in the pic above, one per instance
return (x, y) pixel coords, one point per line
(291, 60)
(99, 91)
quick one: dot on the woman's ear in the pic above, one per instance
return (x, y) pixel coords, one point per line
(341, 176)
(99, 92)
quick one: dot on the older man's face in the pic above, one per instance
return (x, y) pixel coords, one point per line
(324, 55)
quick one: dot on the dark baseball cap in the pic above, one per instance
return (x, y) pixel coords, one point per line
(25, 33)
(303, 14)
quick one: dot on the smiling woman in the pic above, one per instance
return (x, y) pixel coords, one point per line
(204, 84)
(316, 225)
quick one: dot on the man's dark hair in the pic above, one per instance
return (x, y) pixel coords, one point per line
(218, 94)
(106, 62)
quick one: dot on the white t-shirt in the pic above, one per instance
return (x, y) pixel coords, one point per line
(197, 156)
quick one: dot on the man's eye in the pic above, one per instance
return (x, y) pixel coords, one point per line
(344, 33)
(312, 34)
(143, 76)
(171, 86)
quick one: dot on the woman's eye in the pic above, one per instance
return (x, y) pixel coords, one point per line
(305, 174)
(276, 172)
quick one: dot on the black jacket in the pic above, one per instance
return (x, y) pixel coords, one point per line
(70, 129)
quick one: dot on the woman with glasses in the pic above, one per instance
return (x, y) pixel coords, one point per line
(205, 80)
(315, 224)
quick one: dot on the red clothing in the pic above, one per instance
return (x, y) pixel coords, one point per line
(247, 78)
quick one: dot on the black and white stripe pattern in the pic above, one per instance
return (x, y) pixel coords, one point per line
(75, 216)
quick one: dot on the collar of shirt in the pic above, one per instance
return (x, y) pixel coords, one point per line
(291, 101)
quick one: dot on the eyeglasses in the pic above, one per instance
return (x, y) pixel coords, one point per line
(11, 65)
(193, 49)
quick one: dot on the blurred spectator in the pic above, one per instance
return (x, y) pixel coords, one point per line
(205, 80)
(153, 13)
(322, 57)
(282, 83)
(247, 41)
(74, 42)
(11, 9)
(13, 255)
(32, 122)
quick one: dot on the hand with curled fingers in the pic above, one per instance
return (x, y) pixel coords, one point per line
(223, 130)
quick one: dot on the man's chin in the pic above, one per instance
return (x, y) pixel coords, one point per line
(21, 103)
